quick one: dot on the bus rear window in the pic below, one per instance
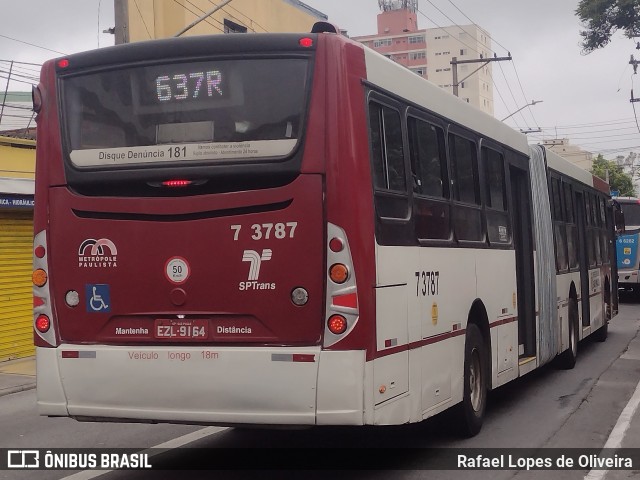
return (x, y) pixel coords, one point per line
(199, 112)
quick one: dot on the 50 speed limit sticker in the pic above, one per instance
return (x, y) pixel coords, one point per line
(177, 270)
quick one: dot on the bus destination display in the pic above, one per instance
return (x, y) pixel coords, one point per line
(189, 85)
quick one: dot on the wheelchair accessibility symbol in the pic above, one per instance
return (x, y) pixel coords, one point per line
(98, 298)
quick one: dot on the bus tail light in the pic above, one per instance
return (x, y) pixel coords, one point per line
(342, 294)
(306, 42)
(336, 244)
(338, 273)
(43, 320)
(176, 183)
(39, 277)
(43, 323)
(337, 324)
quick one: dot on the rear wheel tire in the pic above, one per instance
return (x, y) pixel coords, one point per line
(567, 360)
(601, 334)
(476, 375)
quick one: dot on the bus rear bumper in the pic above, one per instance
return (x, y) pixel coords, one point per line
(217, 386)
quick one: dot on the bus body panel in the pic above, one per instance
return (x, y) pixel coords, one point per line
(627, 245)
(210, 385)
(412, 313)
(628, 261)
(349, 195)
(239, 271)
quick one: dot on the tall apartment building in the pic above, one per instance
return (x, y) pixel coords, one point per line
(428, 52)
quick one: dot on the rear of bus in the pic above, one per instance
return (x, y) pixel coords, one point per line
(194, 261)
(627, 245)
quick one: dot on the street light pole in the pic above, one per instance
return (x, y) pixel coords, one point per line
(533, 102)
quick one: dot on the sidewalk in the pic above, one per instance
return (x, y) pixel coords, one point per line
(17, 375)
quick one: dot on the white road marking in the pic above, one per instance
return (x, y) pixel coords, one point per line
(175, 443)
(619, 431)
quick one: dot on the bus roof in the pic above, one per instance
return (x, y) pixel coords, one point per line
(627, 200)
(186, 48)
(562, 165)
(401, 81)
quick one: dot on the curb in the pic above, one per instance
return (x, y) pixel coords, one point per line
(19, 388)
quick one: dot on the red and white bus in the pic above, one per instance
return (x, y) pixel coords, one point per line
(291, 229)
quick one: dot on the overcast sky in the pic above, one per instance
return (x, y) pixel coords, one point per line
(585, 97)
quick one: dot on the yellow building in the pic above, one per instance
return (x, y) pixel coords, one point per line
(152, 19)
(17, 167)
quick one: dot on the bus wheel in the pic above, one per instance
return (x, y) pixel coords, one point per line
(601, 334)
(475, 382)
(567, 360)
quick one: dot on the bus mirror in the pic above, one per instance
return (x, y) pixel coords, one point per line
(618, 217)
(324, 27)
(36, 98)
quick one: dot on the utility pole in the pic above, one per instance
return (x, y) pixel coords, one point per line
(121, 17)
(6, 90)
(485, 61)
(635, 63)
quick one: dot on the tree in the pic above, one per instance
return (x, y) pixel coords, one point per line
(602, 18)
(618, 179)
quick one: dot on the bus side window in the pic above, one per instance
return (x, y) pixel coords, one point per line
(591, 223)
(559, 226)
(388, 156)
(498, 228)
(387, 165)
(467, 212)
(572, 229)
(430, 180)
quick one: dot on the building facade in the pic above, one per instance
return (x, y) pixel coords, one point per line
(429, 52)
(17, 173)
(153, 19)
(573, 153)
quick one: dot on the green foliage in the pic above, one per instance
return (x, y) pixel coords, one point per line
(601, 19)
(618, 179)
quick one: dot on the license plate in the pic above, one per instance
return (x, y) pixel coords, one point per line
(169, 329)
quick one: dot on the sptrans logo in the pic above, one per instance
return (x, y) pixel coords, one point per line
(100, 253)
(255, 260)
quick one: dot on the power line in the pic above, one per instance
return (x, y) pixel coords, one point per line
(513, 63)
(465, 15)
(589, 125)
(448, 32)
(12, 80)
(32, 44)
(500, 95)
(633, 101)
(142, 18)
(241, 13)
(206, 20)
(467, 45)
(512, 95)
(480, 53)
